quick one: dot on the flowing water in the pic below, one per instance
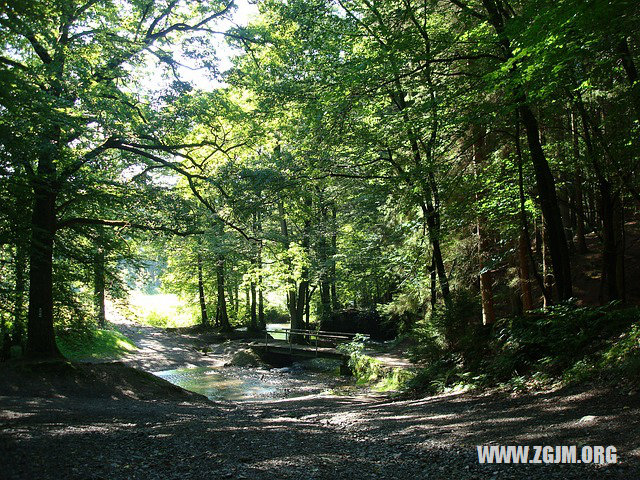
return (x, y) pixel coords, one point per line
(242, 384)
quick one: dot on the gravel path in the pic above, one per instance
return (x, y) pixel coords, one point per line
(161, 349)
(87, 435)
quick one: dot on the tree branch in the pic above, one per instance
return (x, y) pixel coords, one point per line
(12, 63)
(42, 52)
(466, 8)
(190, 179)
(70, 222)
(110, 143)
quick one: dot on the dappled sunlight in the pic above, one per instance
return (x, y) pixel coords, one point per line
(317, 433)
(161, 310)
(422, 196)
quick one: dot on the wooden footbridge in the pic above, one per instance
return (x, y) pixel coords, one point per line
(306, 343)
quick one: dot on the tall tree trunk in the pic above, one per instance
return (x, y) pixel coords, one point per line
(525, 280)
(553, 227)
(247, 292)
(565, 213)
(297, 321)
(20, 285)
(577, 183)
(538, 238)
(592, 215)
(485, 275)
(442, 274)
(292, 296)
(255, 280)
(334, 252)
(564, 191)
(430, 214)
(258, 229)
(221, 311)
(580, 216)
(547, 274)
(324, 312)
(262, 325)
(41, 342)
(5, 352)
(620, 238)
(307, 310)
(557, 243)
(525, 249)
(303, 294)
(486, 280)
(433, 298)
(608, 204)
(204, 319)
(98, 287)
(236, 295)
(253, 324)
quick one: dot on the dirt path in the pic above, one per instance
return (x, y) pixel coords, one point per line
(96, 436)
(161, 349)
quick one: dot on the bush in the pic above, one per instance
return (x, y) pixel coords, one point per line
(565, 342)
(276, 315)
(621, 358)
(454, 330)
(555, 339)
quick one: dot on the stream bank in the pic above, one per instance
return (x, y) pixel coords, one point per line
(134, 426)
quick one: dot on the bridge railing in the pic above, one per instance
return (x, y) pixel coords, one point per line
(311, 335)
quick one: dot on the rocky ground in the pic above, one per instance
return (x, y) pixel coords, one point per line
(111, 422)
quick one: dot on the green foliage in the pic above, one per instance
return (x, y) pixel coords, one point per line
(355, 346)
(95, 344)
(163, 310)
(566, 343)
(551, 341)
(273, 314)
(618, 362)
(624, 352)
(371, 372)
(455, 330)
(350, 142)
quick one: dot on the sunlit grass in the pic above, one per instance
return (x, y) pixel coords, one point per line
(162, 310)
(371, 372)
(94, 344)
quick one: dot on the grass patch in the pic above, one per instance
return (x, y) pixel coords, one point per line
(94, 344)
(369, 371)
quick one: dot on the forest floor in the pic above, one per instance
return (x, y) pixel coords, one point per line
(108, 421)
(167, 349)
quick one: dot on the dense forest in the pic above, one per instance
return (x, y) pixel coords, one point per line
(464, 172)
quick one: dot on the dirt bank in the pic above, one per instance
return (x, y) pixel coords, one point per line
(104, 422)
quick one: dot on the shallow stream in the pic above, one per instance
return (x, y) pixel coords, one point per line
(242, 384)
